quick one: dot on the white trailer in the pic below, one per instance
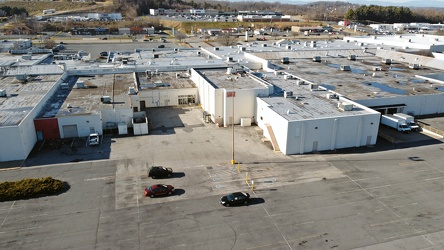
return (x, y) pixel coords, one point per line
(395, 122)
(409, 120)
(50, 11)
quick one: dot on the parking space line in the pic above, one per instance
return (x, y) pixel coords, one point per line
(431, 179)
(369, 178)
(420, 232)
(383, 186)
(100, 178)
(412, 204)
(6, 217)
(345, 192)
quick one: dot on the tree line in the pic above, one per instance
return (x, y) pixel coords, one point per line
(391, 14)
(10, 11)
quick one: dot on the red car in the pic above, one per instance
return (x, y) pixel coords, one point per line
(159, 189)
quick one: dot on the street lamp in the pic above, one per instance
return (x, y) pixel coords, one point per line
(232, 124)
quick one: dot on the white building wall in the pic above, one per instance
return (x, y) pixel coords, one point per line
(117, 116)
(84, 124)
(11, 136)
(417, 104)
(164, 97)
(265, 116)
(243, 105)
(23, 136)
(304, 136)
(210, 98)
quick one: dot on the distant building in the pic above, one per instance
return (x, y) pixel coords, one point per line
(105, 16)
(263, 18)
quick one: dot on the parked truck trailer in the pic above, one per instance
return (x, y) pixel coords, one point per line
(409, 120)
(395, 122)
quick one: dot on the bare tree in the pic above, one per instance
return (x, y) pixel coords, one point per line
(180, 36)
(226, 39)
(49, 44)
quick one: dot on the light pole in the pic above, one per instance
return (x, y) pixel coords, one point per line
(232, 124)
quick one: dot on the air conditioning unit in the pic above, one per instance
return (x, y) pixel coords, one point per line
(300, 82)
(131, 91)
(331, 96)
(345, 106)
(316, 58)
(352, 57)
(286, 77)
(288, 94)
(414, 66)
(314, 86)
(80, 84)
(2, 92)
(105, 99)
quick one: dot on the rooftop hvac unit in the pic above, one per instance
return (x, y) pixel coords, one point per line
(2, 92)
(377, 69)
(345, 106)
(156, 56)
(345, 68)
(288, 94)
(314, 86)
(414, 66)
(288, 77)
(243, 49)
(316, 58)
(216, 48)
(198, 53)
(285, 60)
(80, 84)
(105, 99)
(352, 57)
(288, 47)
(387, 61)
(331, 96)
(300, 82)
(131, 91)
(229, 59)
(264, 45)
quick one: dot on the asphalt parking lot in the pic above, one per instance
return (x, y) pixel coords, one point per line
(383, 197)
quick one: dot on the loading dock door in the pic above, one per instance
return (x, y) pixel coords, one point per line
(70, 131)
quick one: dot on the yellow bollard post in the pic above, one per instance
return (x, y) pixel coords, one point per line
(238, 168)
(246, 178)
(252, 185)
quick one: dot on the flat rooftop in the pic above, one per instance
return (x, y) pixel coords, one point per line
(416, 41)
(222, 80)
(71, 100)
(22, 97)
(164, 80)
(367, 78)
(309, 106)
(305, 103)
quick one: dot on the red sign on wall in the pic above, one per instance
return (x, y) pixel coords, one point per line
(231, 94)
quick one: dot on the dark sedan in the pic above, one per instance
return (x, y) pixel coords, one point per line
(159, 189)
(235, 199)
(159, 172)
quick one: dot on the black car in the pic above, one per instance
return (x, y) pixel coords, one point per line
(235, 199)
(159, 172)
(161, 46)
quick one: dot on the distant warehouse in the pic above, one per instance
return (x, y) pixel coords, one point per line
(263, 18)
